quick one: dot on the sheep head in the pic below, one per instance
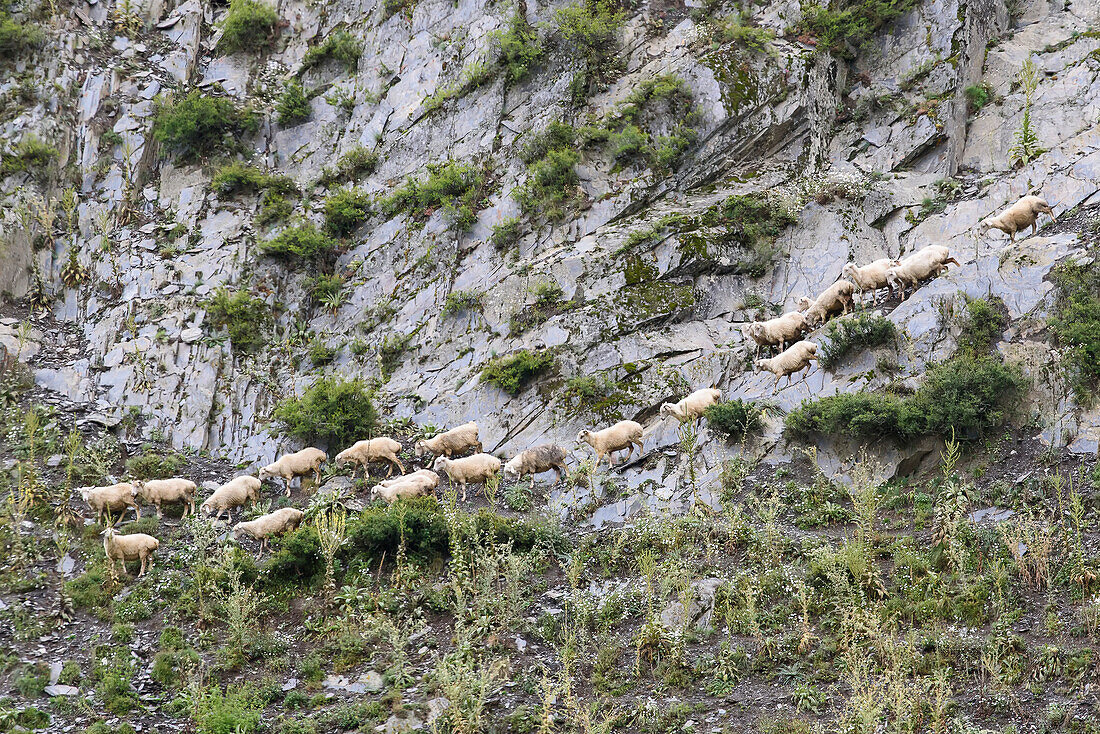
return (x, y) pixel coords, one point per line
(343, 458)
(893, 279)
(136, 487)
(849, 270)
(666, 410)
(986, 224)
(84, 493)
(420, 448)
(757, 365)
(584, 436)
(266, 472)
(511, 469)
(440, 463)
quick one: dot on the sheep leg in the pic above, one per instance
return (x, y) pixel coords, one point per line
(389, 469)
(160, 512)
(462, 485)
(640, 449)
(400, 466)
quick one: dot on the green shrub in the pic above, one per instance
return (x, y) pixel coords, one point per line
(459, 301)
(320, 353)
(196, 124)
(505, 233)
(274, 207)
(345, 210)
(1075, 324)
(551, 186)
(983, 325)
(237, 177)
(248, 26)
(32, 680)
(150, 464)
(512, 373)
(966, 397)
(978, 96)
(340, 46)
(296, 558)
(845, 27)
(379, 530)
(735, 418)
(89, 590)
(861, 331)
(519, 48)
(31, 154)
(549, 301)
(590, 29)
(332, 411)
(232, 711)
(17, 39)
(293, 105)
(473, 76)
(302, 241)
(243, 317)
(457, 188)
(356, 163)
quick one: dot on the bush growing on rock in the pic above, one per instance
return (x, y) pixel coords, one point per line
(456, 187)
(196, 124)
(735, 418)
(31, 154)
(519, 47)
(340, 46)
(345, 210)
(248, 26)
(357, 162)
(589, 30)
(302, 241)
(293, 106)
(845, 27)
(237, 177)
(17, 39)
(982, 325)
(513, 372)
(152, 464)
(331, 411)
(242, 316)
(862, 331)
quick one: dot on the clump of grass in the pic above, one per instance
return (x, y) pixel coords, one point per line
(248, 26)
(302, 241)
(514, 372)
(506, 233)
(340, 46)
(519, 47)
(17, 39)
(1075, 324)
(456, 187)
(345, 210)
(196, 124)
(589, 31)
(237, 177)
(459, 301)
(293, 105)
(334, 411)
(356, 163)
(735, 418)
(552, 185)
(31, 154)
(845, 27)
(242, 316)
(151, 464)
(549, 301)
(978, 96)
(982, 325)
(862, 331)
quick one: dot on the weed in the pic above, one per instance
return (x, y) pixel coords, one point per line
(345, 210)
(196, 124)
(244, 317)
(845, 27)
(248, 26)
(456, 187)
(459, 301)
(333, 411)
(519, 48)
(512, 373)
(352, 165)
(734, 418)
(293, 106)
(302, 241)
(862, 331)
(340, 46)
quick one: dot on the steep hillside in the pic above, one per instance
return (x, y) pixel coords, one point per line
(231, 231)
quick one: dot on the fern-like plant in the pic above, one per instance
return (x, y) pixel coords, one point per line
(1025, 147)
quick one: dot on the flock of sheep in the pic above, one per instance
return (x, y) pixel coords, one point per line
(449, 448)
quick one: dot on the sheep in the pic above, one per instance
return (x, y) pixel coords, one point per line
(781, 330)
(412, 485)
(693, 406)
(114, 498)
(802, 305)
(871, 276)
(622, 435)
(836, 297)
(234, 493)
(133, 547)
(362, 453)
(795, 359)
(455, 441)
(299, 463)
(159, 491)
(1021, 215)
(925, 262)
(476, 469)
(273, 523)
(537, 460)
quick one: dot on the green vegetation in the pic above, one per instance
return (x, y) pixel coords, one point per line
(351, 166)
(1075, 324)
(244, 318)
(666, 97)
(978, 96)
(738, 29)
(196, 124)
(506, 233)
(1025, 145)
(983, 324)
(302, 241)
(293, 105)
(30, 155)
(749, 222)
(333, 411)
(513, 372)
(230, 711)
(520, 49)
(552, 186)
(845, 27)
(456, 187)
(248, 26)
(346, 209)
(589, 30)
(549, 301)
(967, 397)
(861, 331)
(340, 46)
(153, 464)
(17, 39)
(236, 178)
(460, 301)
(473, 76)
(735, 418)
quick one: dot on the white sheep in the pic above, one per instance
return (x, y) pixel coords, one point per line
(113, 498)
(871, 276)
(777, 331)
(1021, 215)
(693, 406)
(133, 547)
(924, 263)
(361, 453)
(269, 525)
(458, 440)
(622, 435)
(300, 463)
(234, 493)
(418, 483)
(160, 491)
(837, 297)
(476, 469)
(537, 460)
(795, 358)
(802, 305)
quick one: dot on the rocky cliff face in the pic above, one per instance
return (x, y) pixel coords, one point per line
(849, 148)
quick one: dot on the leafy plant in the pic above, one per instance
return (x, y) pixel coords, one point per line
(456, 187)
(248, 26)
(345, 210)
(17, 39)
(340, 46)
(1025, 146)
(513, 372)
(983, 324)
(519, 47)
(356, 163)
(735, 418)
(302, 241)
(332, 410)
(29, 155)
(862, 331)
(1075, 324)
(196, 124)
(242, 316)
(459, 301)
(505, 233)
(978, 96)
(845, 27)
(237, 177)
(293, 106)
